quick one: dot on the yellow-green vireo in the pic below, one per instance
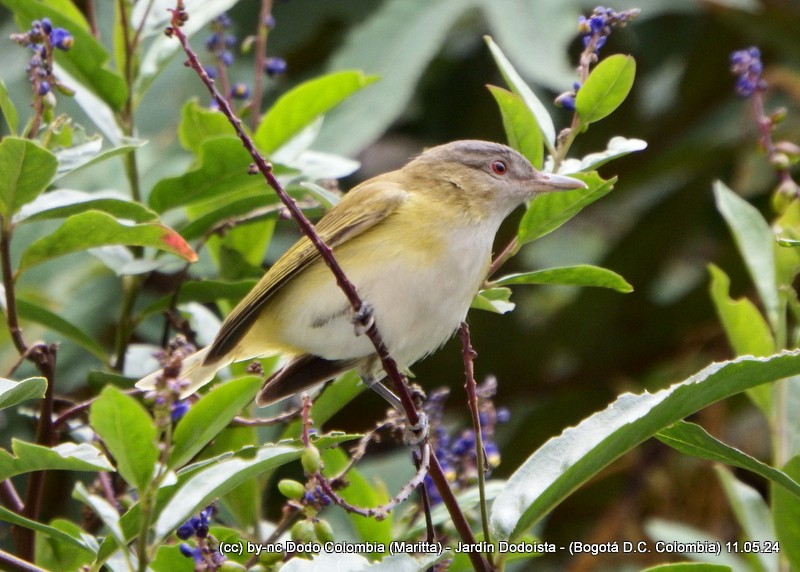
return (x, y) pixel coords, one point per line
(416, 242)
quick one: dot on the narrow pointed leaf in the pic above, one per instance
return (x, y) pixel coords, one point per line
(94, 228)
(617, 147)
(753, 515)
(216, 480)
(304, 104)
(691, 439)
(62, 203)
(209, 416)
(15, 392)
(495, 300)
(549, 211)
(90, 153)
(579, 275)
(518, 86)
(786, 516)
(102, 508)
(520, 125)
(8, 110)
(13, 518)
(754, 239)
(565, 462)
(51, 320)
(28, 457)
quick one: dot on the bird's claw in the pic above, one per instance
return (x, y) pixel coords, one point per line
(363, 318)
(416, 434)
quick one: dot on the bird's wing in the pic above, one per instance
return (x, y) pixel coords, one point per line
(363, 207)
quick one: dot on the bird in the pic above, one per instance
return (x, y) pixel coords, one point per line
(416, 243)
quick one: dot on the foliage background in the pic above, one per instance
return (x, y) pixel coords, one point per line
(565, 352)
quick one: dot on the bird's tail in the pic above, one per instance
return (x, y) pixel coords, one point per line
(193, 370)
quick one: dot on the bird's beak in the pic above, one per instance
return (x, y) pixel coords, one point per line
(547, 182)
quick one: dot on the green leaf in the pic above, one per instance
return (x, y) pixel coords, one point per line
(579, 275)
(754, 239)
(102, 508)
(90, 152)
(691, 439)
(753, 515)
(495, 300)
(28, 457)
(209, 416)
(8, 110)
(54, 322)
(304, 104)
(62, 203)
(549, 211)
(13, 518)
(518, 86)
(399, 54)
(520, 125)
(162, 48)
(86, 61)
(216, 480)
(222, 177)
(27, 170)
(94, 228)
(128, 432)
(15, 392)
(617, 147)
(56, 554)
(198, 124)
(747, 331)
(565, 462)
(746, 328)
(786, 516)
(605, 89)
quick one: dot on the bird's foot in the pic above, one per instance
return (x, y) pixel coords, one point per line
(363, 318)
(416, 434)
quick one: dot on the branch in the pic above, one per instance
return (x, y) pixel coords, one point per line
(359, 308)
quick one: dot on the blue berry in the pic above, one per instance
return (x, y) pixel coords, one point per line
(61, 39)
(275, 66)
(240, 91)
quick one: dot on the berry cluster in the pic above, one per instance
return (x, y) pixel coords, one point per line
(597, 27)
(204, 555)
(166, 395)
(221, 44)
(595, 30)
(746, 64)
(42, 38)
(457, 456)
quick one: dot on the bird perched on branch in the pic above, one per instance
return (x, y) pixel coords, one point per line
(415, 242)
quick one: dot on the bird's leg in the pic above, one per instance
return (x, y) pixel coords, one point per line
(374, 383)
(363, 318)
(414, 434)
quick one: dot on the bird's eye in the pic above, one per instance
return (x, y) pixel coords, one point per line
(499, 167)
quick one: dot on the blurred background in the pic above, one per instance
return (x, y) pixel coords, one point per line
(563, 353)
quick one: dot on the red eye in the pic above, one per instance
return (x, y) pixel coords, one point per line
(499, 167)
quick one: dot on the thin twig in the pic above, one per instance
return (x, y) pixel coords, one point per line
(469, 356)
(10, 497)
(358, 306)
(13, 564)
(262, 32)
